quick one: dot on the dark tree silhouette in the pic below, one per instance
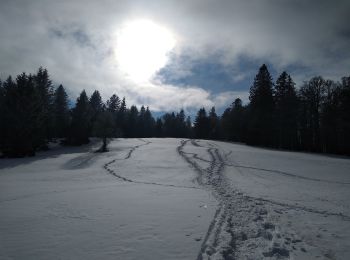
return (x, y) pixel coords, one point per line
(104, 127)
(61, 115)
(159, 128)
(81, 121)
(132, 122)
(286, 112)
(202, 124)
(45, 92)
(311, 96)
(314, 118)
(214, 123)
(21, 117)
(260, 128)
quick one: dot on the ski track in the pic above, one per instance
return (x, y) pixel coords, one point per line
(237, 211)
(128, 156)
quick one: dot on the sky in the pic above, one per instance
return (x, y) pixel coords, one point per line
(175, 54)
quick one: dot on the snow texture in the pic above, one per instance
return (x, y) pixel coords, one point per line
(174, 199)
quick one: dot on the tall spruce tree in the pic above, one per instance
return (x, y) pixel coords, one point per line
(159, 128)
(149, 123)
(96, 106)
(104, 127)
(113, 104)
(311, 97)
(61, 114)
(21, 117)
(238, 122)
(132, 122)
(45, 91)
(81, 121)
(214, 124)
(202, 124)
(286, 112)
(121, 119)
(261, 127)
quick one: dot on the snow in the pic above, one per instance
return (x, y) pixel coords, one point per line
(174, 199)
(276, 204)
(67, 206)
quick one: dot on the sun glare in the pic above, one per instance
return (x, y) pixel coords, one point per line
(142, 49)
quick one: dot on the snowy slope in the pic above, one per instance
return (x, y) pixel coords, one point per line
(274, 204)
(174, 199)
(68, 206)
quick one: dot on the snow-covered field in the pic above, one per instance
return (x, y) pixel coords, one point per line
(174, 199)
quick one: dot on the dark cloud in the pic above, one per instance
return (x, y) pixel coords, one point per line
(75, 40)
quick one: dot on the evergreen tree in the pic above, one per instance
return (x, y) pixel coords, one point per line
(180, 124)
(159, 128)
(189, 132)
(45, 91)
(96, 104)
(286, 112)
(61, 112)
(149, 123)
(121, 119)
(141, 127)
(81, 121)
(226, 124)
(113, 104)
(311, 97)
(132, 122)
(214, 124)
(169, 125)
(21, 117)
(104, 127)
(238, 122)
(261, 130)
(202, 124)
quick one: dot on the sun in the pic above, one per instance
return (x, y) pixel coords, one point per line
(142, 48)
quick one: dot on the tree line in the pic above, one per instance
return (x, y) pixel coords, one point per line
(33, 112)
(315, 117)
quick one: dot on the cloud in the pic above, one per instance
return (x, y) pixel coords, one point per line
(75, 40)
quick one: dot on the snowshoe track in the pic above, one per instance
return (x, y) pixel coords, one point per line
(128, 156)
(240, 218)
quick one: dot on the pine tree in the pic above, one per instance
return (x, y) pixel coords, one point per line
(261, 130)
(214, 124)
(21, 117)
(104, 127)
(238, 124)
(180, 124)
(189, 132)
(45, 91)
(96, 103)
(141, 127)
(61, 112)
(96, 106)
(202, 124)
(159, 128)
(132, 122)
(311, 97)
(286, 112)
(113, 104)
(149, 124)
(81, 121)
